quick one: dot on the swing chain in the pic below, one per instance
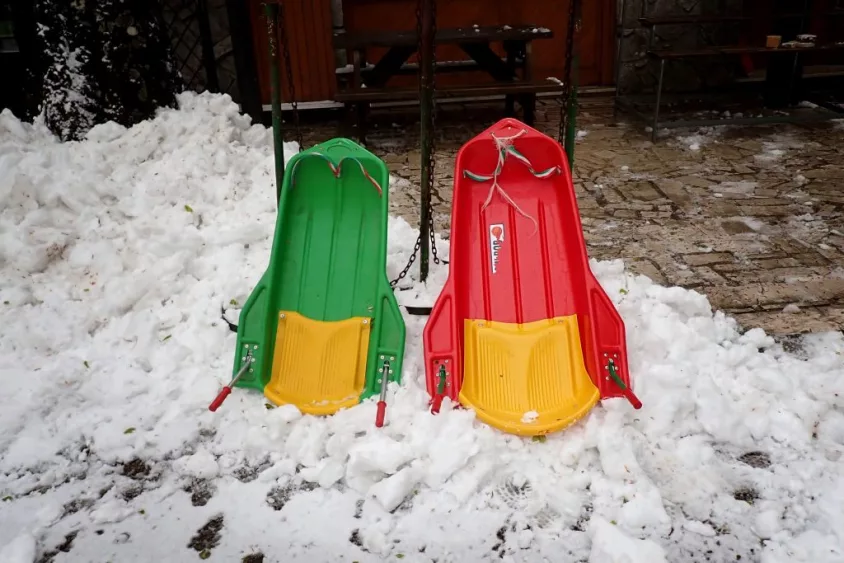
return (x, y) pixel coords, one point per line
(416, 249)
(565, 96)
(410, 262)
(431, 232)
(431, 141)
(288, 68)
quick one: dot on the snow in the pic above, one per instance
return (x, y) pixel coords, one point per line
(702, 137)
(611, 545)
(117, 253)
(19, 550)
(201, 465)
(111, 511)
(530, 417)
(753, 223)
(699, 528)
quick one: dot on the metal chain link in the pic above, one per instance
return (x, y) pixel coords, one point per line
(431, 231)
(410, 262)
(416, 249)
(433, 131)
(565, 96)
(288, 68)
(430, 140)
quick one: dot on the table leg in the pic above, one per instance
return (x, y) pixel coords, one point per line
(356, 69)
(658, 100)
(488, 61)
(388, 65)
(511, 48)
(529, 101)
(349, 124)
(363, 116)
(529, 108)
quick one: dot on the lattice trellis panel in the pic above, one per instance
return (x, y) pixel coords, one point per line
(181, 19)
(202, 44)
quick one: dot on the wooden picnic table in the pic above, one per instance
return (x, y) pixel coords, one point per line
(476, 42)
(511, 74)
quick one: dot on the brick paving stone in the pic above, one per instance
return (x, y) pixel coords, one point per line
(642, 191)
(778, 322)
(736, 227)
(766, 211)
(774, 263)
(708, 258)
(695, 181)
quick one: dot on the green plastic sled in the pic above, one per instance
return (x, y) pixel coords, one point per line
(323, 322)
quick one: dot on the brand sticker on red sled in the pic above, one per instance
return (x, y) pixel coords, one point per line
(496, 240)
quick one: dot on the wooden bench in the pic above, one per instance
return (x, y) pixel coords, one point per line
(404, 94)
(738, 50)
(653, 21)
(408, 38)
(523, 92)
(511, 73)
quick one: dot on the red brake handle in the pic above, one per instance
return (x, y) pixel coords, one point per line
(630, 396)
(625, 390)
(382, 411)
(436, 404)
(220, 398)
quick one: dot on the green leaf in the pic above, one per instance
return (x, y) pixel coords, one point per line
(129, 430)
(399, 555)
(87, 289)
(142, 511)
(623, 291)
(541, 438)
(613, 522)
(204, 554)
(233, 302)
(269, 406)
(87, 365)
(188, 208)
(7, 498)
(166, 338)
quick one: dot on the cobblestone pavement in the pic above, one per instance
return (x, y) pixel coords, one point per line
(753, 217)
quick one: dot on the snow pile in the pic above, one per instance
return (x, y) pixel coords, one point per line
(776, 149)
(117, 254)
(702, 137)
(19, 550)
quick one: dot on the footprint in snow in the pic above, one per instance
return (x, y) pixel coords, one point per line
(759, 460)
(519, 495)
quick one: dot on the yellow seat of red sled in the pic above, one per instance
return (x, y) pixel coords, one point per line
(322, 328)
(522, 332)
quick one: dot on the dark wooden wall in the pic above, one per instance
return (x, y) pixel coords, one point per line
(308, 25)
(309, 30)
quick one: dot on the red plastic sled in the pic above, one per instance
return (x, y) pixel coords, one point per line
(522, 331)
